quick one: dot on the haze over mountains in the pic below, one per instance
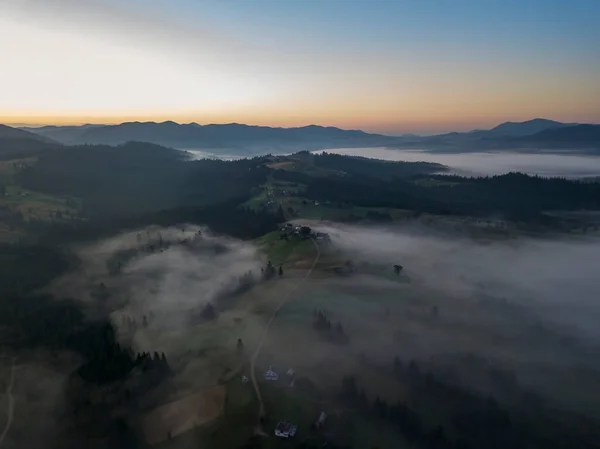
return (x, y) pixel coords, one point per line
(247, 140)
(232, 136)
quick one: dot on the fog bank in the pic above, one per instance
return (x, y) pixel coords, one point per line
(555, 278)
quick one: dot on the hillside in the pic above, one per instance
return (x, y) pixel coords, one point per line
(64, 134)
(10, 133)
(17, 143)
(245, 139)
(532, 135)
(529, 127)
(577, 134)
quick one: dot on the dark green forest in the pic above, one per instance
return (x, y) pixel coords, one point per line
(137, 184)
(515, 194)
(136, 178)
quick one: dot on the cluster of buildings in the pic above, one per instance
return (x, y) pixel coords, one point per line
(290, 230)
(286, 429)
(271, 375)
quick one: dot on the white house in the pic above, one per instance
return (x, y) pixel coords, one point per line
(271, 375)
(284, 429)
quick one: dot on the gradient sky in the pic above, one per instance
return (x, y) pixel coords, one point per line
(388, 66)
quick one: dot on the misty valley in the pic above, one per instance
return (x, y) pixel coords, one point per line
(299, 224)
(315, 299)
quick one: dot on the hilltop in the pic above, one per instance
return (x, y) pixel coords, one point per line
(245, 139)
(241, 139)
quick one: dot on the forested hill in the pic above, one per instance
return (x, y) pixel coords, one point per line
(423, 187)
(245, 139)
(140, 183)
(138, 178)
(16, 143)
(513, 195)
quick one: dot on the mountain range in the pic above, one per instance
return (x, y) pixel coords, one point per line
(16, 143)
(234, 138)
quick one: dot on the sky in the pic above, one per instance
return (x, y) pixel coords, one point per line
(388, 66)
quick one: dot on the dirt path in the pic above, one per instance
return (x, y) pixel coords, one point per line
(11, 403)
(261, 410)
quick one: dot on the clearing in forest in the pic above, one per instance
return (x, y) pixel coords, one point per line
(174, 418)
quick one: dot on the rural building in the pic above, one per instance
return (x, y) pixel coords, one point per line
(322, 236)
(271, 375)
(321, 420)
(284, 429)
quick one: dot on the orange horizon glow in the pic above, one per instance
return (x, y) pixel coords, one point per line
(120, 62)
(423, 125)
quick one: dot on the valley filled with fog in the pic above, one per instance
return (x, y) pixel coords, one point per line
(299, 224)
(561, 164)
(565, 164)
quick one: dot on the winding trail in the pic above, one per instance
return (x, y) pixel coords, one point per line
(261, 410)
(11, 402)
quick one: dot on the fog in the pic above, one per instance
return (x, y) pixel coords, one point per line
(206, 153)
(550, 164)
(555, 278)
(528, 305)
(170, 273)
(490, 163)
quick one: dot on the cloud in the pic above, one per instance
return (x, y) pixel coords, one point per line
(554, 279)
(138, 26)
(168, 274)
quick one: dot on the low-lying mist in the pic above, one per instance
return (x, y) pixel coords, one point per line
(528, 305)
(167, 275)
(555, 277)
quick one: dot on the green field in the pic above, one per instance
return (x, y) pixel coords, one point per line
(19, 205)
(281, 251)
(40, 206)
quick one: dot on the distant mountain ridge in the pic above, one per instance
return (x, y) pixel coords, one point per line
(582, 134)
(16, 143)
(8, 132)
(240, 139)
(64, 134)
(531, 135)
(527, 128)
(231, 135)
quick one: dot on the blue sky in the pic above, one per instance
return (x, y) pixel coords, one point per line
(382, 65)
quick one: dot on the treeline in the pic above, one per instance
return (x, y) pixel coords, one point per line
(42, 321)
(138, 178)
(24, 268)
(32, 320)
(227, 217)
(376, 168)
(515, 194)
(328, 331)
(470, 420)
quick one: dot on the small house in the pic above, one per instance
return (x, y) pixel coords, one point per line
(284, 429)
(271, 375)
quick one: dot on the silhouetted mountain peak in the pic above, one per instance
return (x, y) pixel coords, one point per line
(8, 132)
(237, 136)
(526, 128)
